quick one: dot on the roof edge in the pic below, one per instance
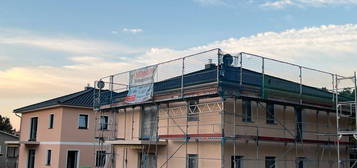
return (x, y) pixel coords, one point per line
(13, 135)
(53, 106)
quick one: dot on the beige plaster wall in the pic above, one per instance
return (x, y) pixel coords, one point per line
(69, 122)
(43, 132)
(65, 131)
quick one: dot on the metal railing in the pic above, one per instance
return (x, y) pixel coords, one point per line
(250, 69)
(305, 80)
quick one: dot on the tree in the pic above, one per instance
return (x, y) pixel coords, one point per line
(347, 93)
(5, 125)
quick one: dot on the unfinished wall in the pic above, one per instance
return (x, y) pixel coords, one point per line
(316, 125)
(206, 141)
(277, 139)
(128, 123)
(253, 155)
(174, 120)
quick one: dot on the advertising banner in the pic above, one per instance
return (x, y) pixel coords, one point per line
(142, 76)
(141, 85)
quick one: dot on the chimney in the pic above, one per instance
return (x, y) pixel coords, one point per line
(210, 65)
(87, 87)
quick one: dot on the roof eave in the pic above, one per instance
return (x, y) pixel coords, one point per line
(49, 107)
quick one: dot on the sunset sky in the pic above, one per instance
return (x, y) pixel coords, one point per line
(48, 48)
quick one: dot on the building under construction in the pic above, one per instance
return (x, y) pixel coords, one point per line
(216, 109)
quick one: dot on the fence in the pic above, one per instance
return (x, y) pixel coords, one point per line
(179, 69)
(305, 79)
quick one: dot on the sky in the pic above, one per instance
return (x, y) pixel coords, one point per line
(52, 48)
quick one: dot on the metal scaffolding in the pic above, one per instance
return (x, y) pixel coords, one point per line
(346, 110)
(171, 122)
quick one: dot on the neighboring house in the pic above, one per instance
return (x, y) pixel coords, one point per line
(58, 133)
(223, 116)
(8, 153)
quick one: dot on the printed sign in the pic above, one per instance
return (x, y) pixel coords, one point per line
(141, 85)
(142, 76)
(139, 93)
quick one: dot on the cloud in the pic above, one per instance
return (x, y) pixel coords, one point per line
(279, 4)
(134, 31)
(329, 44)
(115, 32)
(210, 2)
(62, 43)
(327, 47)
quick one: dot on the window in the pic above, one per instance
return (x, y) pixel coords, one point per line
(48, 159)
(270, 114)
(31, 157)
(72, 158)
(192, 161)
(300, 162)
(236, 161)
(270, 162)
(50, 123)
(12, 152)
(100, 159)
(193, 110)
(83, 121)
(33, 129)
(247, 111)
(148, 160)
(103, 123)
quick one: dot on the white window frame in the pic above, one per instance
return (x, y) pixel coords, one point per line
(100, 119)
(46, 157)
(95, 160)
(29, 126)
(49, 121)
(79, 122)
(78, 157)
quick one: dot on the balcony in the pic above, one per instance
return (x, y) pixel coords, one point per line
(136, 144)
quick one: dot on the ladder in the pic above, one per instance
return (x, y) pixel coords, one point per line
(346, 118)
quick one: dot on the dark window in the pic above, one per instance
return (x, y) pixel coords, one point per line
(299, 130)
(50, 124)
(192, 161)
(148, 160)
(31, 158)
(247, 111)
(300, 162)
(270, 162)
(193, 110)
(270, 114)
(100, 159)
(12, 152)
(72, 159)
(103, 123)
(33, 129)
(48, 159)
(236, 161)
(83, 121)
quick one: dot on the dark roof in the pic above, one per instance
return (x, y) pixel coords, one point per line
(82, 98)
(8, 134)
(229, 77)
